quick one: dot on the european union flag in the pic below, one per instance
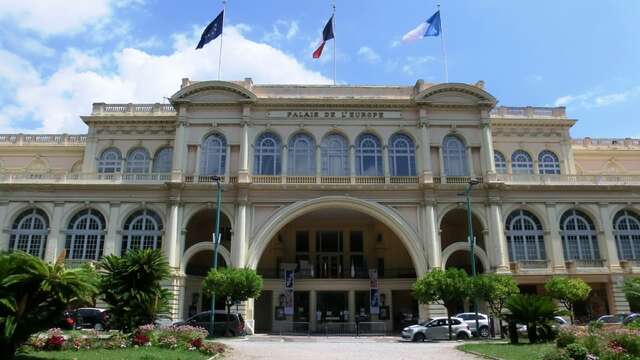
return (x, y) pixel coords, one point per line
(212, 31)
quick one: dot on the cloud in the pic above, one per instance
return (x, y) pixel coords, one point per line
(281, 30)
(54, 102)
(368, 55)
(597, 99)
(414, 65)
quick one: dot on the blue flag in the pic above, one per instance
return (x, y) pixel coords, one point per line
(434, 25)
(212, 31)
(430, 27)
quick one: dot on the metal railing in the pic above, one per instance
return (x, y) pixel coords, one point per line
(371, 328)
(157, 108)
(549, 179)
(339, 328)
(528, 112)
(43, 139)
(606, 141)
(294, 328)
(358, 274)
(69, 178)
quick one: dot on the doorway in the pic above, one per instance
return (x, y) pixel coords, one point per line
(263, 305)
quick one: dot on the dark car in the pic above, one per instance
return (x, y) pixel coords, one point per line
(225, 325)
(631, 318)
(68, 321)
(91, 318)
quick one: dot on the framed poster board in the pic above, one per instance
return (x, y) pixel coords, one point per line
(280, 313)
(384, 313)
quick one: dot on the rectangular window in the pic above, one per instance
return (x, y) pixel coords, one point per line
(356, 241)
(302, 241)
(329, 241)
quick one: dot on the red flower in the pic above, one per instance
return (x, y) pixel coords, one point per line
(140, 339)
(196, 343)
(55, 342)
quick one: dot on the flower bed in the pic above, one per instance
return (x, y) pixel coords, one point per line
(168, 337)
(595, 342)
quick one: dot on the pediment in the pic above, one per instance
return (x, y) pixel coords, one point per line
(214, 96)
(213, 92)
(455, 94)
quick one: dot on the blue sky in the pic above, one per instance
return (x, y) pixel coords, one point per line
(59, 56)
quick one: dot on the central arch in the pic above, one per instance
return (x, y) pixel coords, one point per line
(379, 212)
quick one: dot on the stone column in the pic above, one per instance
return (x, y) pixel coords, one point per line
(607, 241)
(318, 163)
(443, 176)
(352, 162)
(509, 167)
(487, 143)
(197, 168)
(536, 166)
(90, 152)
(113, 238)
(567, 151)
(172, 238)
(352, 305)
(425, 145)
(4, 231)
(554, 240)
(227, 162)
(385, 162)
(496, 235)
(243, 169)
(55, 239)
(239, 242)
(432, 238)
(285, 163)
(313, 305)
(472, 173)
(180, 145)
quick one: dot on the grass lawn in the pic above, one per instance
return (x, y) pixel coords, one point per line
(508, 351)
(141, 353)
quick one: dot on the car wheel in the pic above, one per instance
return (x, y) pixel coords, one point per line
(462, 336)
(98, 327)
(484, 331)
(419, 337)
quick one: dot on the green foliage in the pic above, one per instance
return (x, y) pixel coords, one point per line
(577, 351)
(556, 354)
(534, 311)
(33, 295)
(233, 284)
(131, 286)
(568, 291)
(635, 324)
(565, 338)
(494, 289)
(631, 290)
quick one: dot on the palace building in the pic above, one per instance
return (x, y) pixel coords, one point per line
(332, 184)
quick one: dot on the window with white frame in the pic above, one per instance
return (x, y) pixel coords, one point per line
(579, 237)
(454, 156)
(402, 156)
(163, 161)
(138, 161)
(548, 162)
(85, 235)
(214, 155)
(368, 156)
(626, 229)
(521, 162)
(302, 155)
(267, 154)
(142, 230)
(110, 161)
(335, 155)
(500, 161)
(525, 237)
(29, 232)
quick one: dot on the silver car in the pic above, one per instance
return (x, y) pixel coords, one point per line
(483, 323)
(437, 329)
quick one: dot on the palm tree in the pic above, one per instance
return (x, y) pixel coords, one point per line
(531, 310)
(34, 293)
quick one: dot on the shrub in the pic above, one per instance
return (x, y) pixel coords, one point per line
(565, 338)
(55, 339)
(556, 354)
(635, 324)
(534, 311)
(577, 351)
(568, 291)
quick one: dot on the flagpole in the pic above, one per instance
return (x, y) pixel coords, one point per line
(224, 8)
(334, 42)
(444, 52)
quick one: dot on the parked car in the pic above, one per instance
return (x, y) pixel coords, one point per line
(163, 320)
(437, 328)
(631, 318)
(68, 321)
(91, 318)
(483, 323)
(612, 319)
(232, 324)
(558, 322)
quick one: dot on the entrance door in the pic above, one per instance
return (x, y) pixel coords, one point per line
(262, 313)
(404, 309)
(333, 305)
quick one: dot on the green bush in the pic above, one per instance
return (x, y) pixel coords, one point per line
(565, 338)
(557, 354)
(577, 351)
(635, 324)
(534, 311)
(593, 343)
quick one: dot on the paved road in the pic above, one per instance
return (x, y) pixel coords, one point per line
(322, 348)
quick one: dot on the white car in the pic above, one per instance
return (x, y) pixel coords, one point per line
(437, 328)
(483, 323)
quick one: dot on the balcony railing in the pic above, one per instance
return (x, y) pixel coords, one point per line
(547, 179)
(606, 142)
(393, 273)
(76, 263)
(365, 180)
(76, 178)
(591, 263)
(454, 179)
(44, 139)
(528, 112)
(529, 264)
(133, 109)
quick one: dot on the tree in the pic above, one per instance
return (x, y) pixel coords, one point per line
(495, 290)
(532, 310)
(131, 286)
(631, 290)
(568, 291)
(33, 295)
(233, 285)
(447, 287)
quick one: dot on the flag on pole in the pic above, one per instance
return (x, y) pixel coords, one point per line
(212, 31)
(327, 34)
(430, 27)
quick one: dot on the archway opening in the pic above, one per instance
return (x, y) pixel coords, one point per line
(454, 228)
(201, 226)
(460, 259)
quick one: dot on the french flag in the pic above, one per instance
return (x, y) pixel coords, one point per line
(327, 34)
(431, 27)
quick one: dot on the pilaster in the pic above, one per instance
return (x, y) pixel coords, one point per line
(496, 236)
(606, 239)
(425, 145)
(90, 155)
(487, 143)
(432, 238)
(55, 239)
(112, 239)
(172, 243)
(4, 231)
(243, 169)
(180, 148)
(239, 244)
(554, 240)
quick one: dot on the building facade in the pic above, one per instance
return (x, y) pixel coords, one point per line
(331, 182)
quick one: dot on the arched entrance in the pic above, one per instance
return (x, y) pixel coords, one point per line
(331, 247)
(197, 259)
(453, 229)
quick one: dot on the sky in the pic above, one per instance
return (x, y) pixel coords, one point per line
(57, 57)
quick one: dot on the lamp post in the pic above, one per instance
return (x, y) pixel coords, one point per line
(216, 242)
(472, 243)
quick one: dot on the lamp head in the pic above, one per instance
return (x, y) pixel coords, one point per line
(216, 178)
(474, 181)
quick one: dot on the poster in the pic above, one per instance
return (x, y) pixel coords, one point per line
(375, 301)
(288, 292)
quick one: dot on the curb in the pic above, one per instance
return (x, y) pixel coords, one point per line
(459, 348)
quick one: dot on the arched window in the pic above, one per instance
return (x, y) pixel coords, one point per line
(626, 228)
(521, 162)
(302, 155)
(29, 232)
(454, 156)
(525, 237)
(501, 162)
(138, 161)
(335, 155)
(110, 161)
(402, 156)
(548, 163)
(368, 156)
(142, 230)
(163, 161)
(579, 240)
(267, 154)
(85, 236)
(214, 155)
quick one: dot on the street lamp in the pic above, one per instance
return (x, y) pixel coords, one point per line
(216, 242)
(467, 193)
